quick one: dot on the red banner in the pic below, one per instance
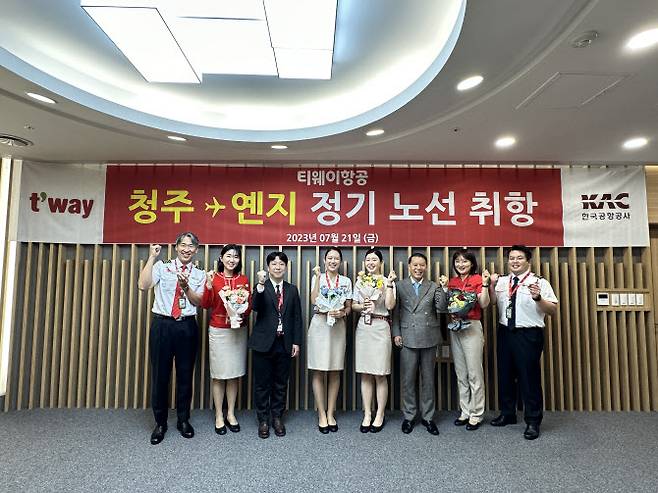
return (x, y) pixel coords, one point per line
(344, 206)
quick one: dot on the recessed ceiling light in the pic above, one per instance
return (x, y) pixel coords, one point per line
(279, 147)
(375, 132)
(642, 40)
(470, 83)
(635, 143)
(41, 98)
(505, 142)
(176, 138)
(14, 141)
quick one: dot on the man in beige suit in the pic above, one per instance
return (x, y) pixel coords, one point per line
(416, 331)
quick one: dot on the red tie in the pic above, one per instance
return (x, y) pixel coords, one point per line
(175, 309)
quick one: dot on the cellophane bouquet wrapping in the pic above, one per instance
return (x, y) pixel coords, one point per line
(460, 303)
(236, 302)
(329, 299)
(369, 288)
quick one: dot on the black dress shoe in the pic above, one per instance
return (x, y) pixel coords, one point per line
(460, 422)
(158, 434)
(221, 430)
(185, 429)
(279, 427)
(234, 428)
(263, 430)
(431, 427)
(377, 429)
(503, 420)
(471, 427)
(323, 429)
(531, 431)
(407, 426)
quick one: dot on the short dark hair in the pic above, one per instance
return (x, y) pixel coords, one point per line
(419, 255)
(188, 234)
(273, 255)
(468, 255)
(376, 252)
(335, 249)
(226, 248)
(521, 248)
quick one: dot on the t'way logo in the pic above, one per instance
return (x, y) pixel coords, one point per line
(605, 200)
(62, 205)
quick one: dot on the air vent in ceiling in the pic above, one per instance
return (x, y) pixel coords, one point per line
(13, 141)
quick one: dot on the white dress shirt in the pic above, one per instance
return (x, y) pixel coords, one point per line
(165, 278)
(528, 313)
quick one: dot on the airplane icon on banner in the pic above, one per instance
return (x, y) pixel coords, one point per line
(215, 207)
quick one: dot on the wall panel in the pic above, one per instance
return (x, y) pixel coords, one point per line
(81, 329)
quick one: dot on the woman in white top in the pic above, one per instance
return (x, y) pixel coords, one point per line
(326, 341)
(372, 341)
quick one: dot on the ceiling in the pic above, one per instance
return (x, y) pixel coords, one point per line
(563, 104)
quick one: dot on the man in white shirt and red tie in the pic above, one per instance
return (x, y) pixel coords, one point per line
(174, 333)
(524, 299)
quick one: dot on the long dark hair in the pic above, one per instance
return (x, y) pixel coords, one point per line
(220, 265)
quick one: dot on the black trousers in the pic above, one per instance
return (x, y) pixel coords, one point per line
(170, 341)
(271, 372)
(519, 353)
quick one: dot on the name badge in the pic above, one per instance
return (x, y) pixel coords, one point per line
(367, 318)
(508, 312)
(182, 303)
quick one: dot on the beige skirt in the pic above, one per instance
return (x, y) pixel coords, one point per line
(227, 352)
(326, 345)
(372, 347)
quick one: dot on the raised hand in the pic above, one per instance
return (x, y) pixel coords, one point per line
(443, 280)
(155, 251)
(392, 276)
(210, 276)
(261, 276)
(316, 271)
(494, 278)
(535, 290)
(183, 279)
(486, 276)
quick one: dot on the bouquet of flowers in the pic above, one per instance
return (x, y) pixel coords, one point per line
(330, 298)
(459, 304)
(236, 302)
(369, 287)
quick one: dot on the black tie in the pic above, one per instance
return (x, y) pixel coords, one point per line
(278, 297)
(511, 321)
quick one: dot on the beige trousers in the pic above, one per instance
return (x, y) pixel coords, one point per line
(467, 346)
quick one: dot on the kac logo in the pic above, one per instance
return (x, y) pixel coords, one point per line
(61, 205)
(605, 201)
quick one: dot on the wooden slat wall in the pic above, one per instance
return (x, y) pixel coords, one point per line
(81, 329)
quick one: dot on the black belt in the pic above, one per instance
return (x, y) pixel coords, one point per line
(180, 319)
(520, 328)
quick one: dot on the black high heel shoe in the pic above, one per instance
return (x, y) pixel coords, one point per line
(221, 431)
(377, 429)
(364, 429)
(323, 429)
(233, 428)
(333, 428)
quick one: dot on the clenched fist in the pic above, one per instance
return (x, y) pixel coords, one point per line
(261, 275)
(155, 251)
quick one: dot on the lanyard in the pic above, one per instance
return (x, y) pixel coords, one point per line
(464, 281)
(329, 282)
(228, 279)
(511, 291)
